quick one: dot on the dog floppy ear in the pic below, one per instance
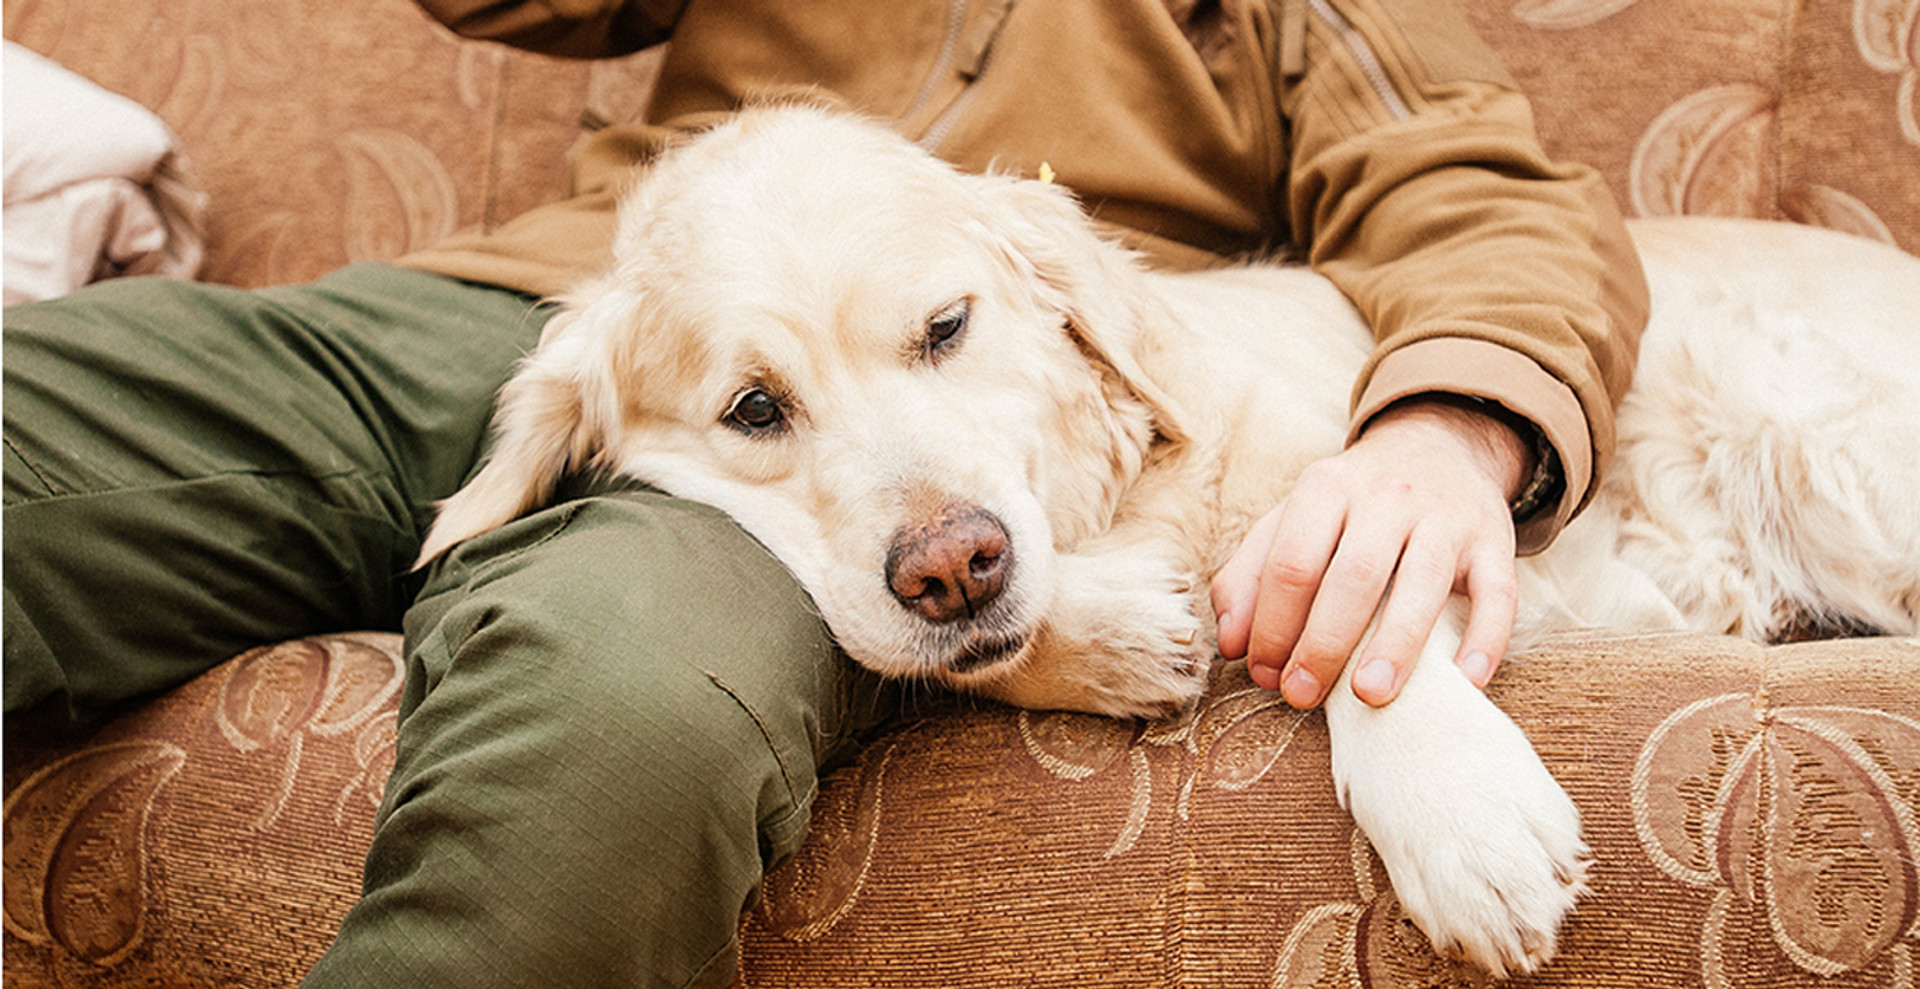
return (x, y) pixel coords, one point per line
(543, 427)
(1111, 315)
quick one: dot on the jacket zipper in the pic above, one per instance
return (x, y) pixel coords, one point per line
(949, 47)
(937, 131)
(950, 50)
(1364, 55)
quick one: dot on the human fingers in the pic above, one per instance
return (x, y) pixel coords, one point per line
(1346, 602)
(1421, 586)
(1236, 586)
(1304, 540)
(1493, 593)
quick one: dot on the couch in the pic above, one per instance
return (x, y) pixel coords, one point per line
(1754, 810)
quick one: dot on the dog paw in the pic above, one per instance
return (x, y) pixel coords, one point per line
(1482, 845)
(1139, 633)
(1124, 639)
(1488, 880)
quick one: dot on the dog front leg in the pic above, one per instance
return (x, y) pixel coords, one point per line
(1482, 845)
(1124, 637)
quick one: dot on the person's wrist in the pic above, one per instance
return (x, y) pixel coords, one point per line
(1511, 451)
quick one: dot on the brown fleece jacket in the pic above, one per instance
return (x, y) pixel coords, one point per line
(1380, 139)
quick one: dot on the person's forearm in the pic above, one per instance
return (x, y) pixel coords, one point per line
(1485, 268)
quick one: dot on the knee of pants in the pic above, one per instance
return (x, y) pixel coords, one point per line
(613, 721)
(584, 832)
(657, 620)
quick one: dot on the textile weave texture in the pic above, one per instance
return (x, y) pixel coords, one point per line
(1752, 810)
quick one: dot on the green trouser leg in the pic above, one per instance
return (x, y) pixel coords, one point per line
(614, 707)
(614, 712)
(194, 470)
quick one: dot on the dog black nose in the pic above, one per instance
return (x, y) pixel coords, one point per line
(952, 566)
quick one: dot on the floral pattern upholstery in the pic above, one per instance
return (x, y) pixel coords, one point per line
(1746, 834)
(230, 812)
(330, 133)
(1803, 112)
(1800, 823)
(1753, 811)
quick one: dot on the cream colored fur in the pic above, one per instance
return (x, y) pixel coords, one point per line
(1127, 427)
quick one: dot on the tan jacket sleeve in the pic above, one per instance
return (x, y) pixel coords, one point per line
(568, 28)
(1485, 269)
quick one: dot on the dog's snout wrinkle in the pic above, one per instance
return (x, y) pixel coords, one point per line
(950, 567)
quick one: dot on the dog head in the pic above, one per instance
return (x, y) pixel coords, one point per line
(914, 386)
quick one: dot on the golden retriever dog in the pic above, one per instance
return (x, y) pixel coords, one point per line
(1001, 454)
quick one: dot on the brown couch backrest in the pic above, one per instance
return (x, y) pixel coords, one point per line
(328, 133)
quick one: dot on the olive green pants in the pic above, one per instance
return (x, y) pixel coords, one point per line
(615, 708)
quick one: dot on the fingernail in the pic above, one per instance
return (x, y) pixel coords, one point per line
(1478, 668)
(1374, 679)
(1302, 689)
(1264, 677)
(1223, 643)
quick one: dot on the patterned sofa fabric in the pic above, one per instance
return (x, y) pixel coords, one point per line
(211, 838)
(1752, 814)
(1768, 108)
(328, 133)
(331, 133)
(1750, 810)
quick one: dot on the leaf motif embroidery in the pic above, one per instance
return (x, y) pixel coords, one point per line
(1799, 819)
(399, 195)
(75, 854)
(1887, 34)
(1564, 15)
(1705, 154)
(810, 894)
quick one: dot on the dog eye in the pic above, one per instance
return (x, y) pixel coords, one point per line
(756, 411)
(946, 327)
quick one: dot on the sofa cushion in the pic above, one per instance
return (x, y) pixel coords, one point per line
(212, 837)
(1751, 811)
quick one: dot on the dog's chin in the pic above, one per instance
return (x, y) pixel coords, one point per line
(961, 656)
(984, 656)
(965, 654)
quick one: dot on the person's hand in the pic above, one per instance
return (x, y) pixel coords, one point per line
(1415, 510)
